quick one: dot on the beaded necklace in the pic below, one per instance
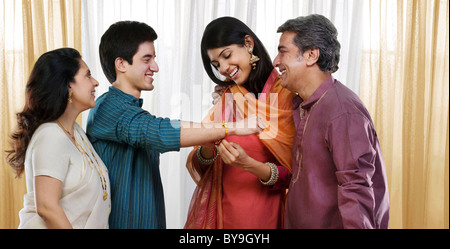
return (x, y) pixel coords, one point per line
(96, 164)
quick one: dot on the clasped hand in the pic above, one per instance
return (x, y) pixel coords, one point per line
(245, 127)
(233, 154)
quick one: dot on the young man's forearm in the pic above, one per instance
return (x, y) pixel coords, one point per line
(195, 133)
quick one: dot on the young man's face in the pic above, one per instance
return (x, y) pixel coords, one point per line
(140, 73)
(289, 61)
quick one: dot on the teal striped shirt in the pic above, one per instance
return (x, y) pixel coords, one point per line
(129, 140)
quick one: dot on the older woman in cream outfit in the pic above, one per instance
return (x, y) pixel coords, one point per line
(67, 182)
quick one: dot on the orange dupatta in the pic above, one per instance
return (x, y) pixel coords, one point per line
(274, 108)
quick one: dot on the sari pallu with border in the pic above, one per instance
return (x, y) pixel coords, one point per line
(274, 108)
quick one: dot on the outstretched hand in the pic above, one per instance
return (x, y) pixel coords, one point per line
(233, 154)
(248, 126)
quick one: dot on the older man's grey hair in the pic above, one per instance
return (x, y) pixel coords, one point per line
(316, 31)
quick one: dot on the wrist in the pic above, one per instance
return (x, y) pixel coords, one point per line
(231, 129)
(274, 174)
(231, 132)
(225, 125)
(207, 151)
(225, 129)
(252, 166)
(205, 161)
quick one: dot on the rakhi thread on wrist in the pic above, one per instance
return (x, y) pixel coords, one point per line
(224, 125)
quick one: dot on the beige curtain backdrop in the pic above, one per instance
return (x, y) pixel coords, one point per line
(29, 28)
(405, 86)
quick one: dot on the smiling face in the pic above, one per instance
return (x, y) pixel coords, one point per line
(290, 62)
(83, 88)
(232, 62)
(139, 75)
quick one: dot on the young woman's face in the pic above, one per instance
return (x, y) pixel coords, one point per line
(83, 88)
(231, 61)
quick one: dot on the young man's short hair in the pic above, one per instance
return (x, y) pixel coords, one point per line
(122, 39)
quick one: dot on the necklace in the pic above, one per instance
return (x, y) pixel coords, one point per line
(67, 131)
(96, 164)
(294, 180)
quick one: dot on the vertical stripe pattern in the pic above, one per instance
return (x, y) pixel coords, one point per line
(129, 140)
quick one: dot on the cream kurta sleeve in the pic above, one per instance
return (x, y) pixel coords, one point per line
(50, 154)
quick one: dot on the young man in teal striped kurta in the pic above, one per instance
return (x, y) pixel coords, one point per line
(129, 139)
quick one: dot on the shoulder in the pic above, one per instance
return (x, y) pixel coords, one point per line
(112, 102)
(342, 100)
(112, 108)
(48, 132)
(49, 151)
(49, 137)
(109, 100)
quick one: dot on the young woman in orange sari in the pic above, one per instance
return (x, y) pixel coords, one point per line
(240, 181)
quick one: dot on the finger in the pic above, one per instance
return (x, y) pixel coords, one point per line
(239, 149)
(261, 124)
(223, 154)
(235, 145)
(215, 95)
(219, 87)
(227, 157)
(231, 149)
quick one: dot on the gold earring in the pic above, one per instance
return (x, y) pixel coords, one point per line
(69, 100)
(253, 58)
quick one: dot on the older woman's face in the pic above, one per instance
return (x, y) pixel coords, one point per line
(232, 62)
(83, 88)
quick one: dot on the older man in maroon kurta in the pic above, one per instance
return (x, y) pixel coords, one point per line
(338, 175)
(339, 179)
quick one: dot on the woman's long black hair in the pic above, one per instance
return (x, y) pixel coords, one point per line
(226, 31)
(46, 95)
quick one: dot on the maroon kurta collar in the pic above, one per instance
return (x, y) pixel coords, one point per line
(315, 96)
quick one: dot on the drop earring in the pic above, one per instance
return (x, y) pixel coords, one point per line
(69, 100)
(253, 58)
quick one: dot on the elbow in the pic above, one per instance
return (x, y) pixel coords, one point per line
(45, 210)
